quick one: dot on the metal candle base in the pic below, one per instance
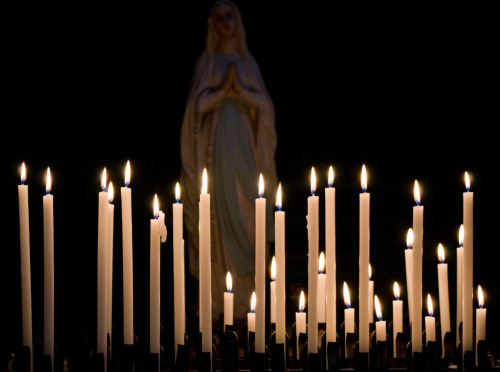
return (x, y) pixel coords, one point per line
(229, 351)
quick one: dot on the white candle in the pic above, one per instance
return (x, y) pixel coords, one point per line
(430, 322)
(480, 319)
(251, 314)
(300, 321)
(228, 301)
(397, 317)
(409, 271)
(102, 257)
(348, 316)
(24, 231)
(205, 264)
(331, 264)
(444, 299)
(370, 295)
(272, 290)
(364, 260)
(279, 221)
(178, 259)
(48, 274)
(313, 240)
(460, 278)
(260, 269)
(128, 278)
(109, 273)
(321, 289)
(380, 326)
(467, 322)
(418, 223)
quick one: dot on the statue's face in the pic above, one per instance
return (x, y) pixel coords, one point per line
(224, 21)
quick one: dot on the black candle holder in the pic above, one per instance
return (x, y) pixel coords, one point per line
(465, 362)
(258, 361)
(361, 360)
(98, 362)
(155, 362)
(205, 361)
(416, 360)
(279, 354)
(313, 362)
(329, 352)
(380, 361)
(401, 341)
(23, 360)
(127, 358)
(449, 350)
(46, 363)
(482, 355)
(250, 342)
(229, 350)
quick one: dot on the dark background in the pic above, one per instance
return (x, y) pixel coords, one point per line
(410, 92)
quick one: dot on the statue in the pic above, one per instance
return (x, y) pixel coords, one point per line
(228, 128)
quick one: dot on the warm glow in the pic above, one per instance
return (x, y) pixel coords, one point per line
(396, 290)
(330, 176)
(23, 173)
(441, 253)
(127, 174)
(278, 197)
(409, 238)
(156, 207)
(370, 271)
(378, 310)
(430, 309)
(229, 282)
(313, 181)
(103, 180)
(261, 185)
(364, 183)
(347, 297)
(416, 193)
(177, 192)
(111, 192)
(302, 301)
(48, 183)
(321, 263)
(480, 296)
(467, 181)
(273, 269)
(253, 301)
(461, 236)
(204, 183)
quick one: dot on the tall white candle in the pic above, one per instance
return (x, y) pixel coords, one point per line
(409, 271)
(279, 221)
(349, 315)
(300, 321)
(272, 291)
(331, 263)
(128, 278)
(228, 301)
(480, 319)
(371, 292)
(380, 325)
(179, 280)
(467, 323)
(24, 232)
(430, 322)
(397, 317)
(321, 289)
(444, 298)
(460, 280)
(260, 269)
(102, 258)
(364, 260)
(418, 224)
(313, 240)
(48, 274)
(109, 273)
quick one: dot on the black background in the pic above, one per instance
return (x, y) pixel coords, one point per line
(410, 92)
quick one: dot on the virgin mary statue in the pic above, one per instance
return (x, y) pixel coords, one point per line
(228, 128)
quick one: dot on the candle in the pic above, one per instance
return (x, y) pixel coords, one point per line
(128, 287)
(380, 326)
(102, 256)
(397, 317)
(228, 302)
(468, 268)
(444, 300)
(312, 290)
(300, 321)
(260, 265)
(418, 222)
(370, 294)
(24, 232)
(364, 259)
(480, 319)
(251, 314)
(331, 264)
(321, 289)
(205, 264)
(430, 322)
(279, 247)
(178, 258)
(460, 278)
(409, 271)
(109, 273)
(48, 274)
(272, 290)
(348, 316)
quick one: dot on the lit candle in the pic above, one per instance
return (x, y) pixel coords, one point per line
(348, 316)
(364, 260)
(24, 231)
(312, 290)
(321, 289)
(444, 299)
(128, 277)
(370, 295)
(468, 268)
(178, 258)
(397, 317)
(272, 290)
(48, 274)
(331, 264)
(409, 271)
(260, 269)
(279, 247)
(380, 326)
(418, 223)
(460, 280)
(430, 322)
(109, 274)
(228, 301)
(300, 321)
(251, 314)
(480, 319)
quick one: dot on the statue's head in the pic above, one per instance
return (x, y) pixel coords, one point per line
(225, 22)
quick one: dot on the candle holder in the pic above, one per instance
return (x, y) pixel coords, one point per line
(416, 360)
(361, 360)
(380, 359)
(23, 359)
(313, 362)
(450, 350)
(431, 356)
(229, 351)
(257, 361)
(127, 358)
(279, 354)
(329, 353)
(348, 342)
(98, 362)
(250, 342)
(155, 361)
(401, 341)
(46, 363)
(467, 362)
(205, 362)
(482, 355)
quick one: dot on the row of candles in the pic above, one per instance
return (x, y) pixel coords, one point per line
(320, 287)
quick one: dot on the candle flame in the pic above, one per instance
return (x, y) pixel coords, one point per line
(103, 180)
(127, 173)
(330, 176)
(229, 282)
(364, 183)
(261, 185)
(409, 238)
(441, 253)
(347, 297)
(278, 197)
(273, 269)
(370, 271)
(313, 181)
(396, 290)
(416, 193)
(177, 192)
(23, 173)
(321, 263)
(467, 181)
(430, 309)
(48, 182)
(156, 207)
(302, 302)
(480, 296)
(111, 192)
(378, 310)
(204, 183)
(253, 302)
(461, 236)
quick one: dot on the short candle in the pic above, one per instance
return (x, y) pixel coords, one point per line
(300, 321)
(380, 325)
(430, 322)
